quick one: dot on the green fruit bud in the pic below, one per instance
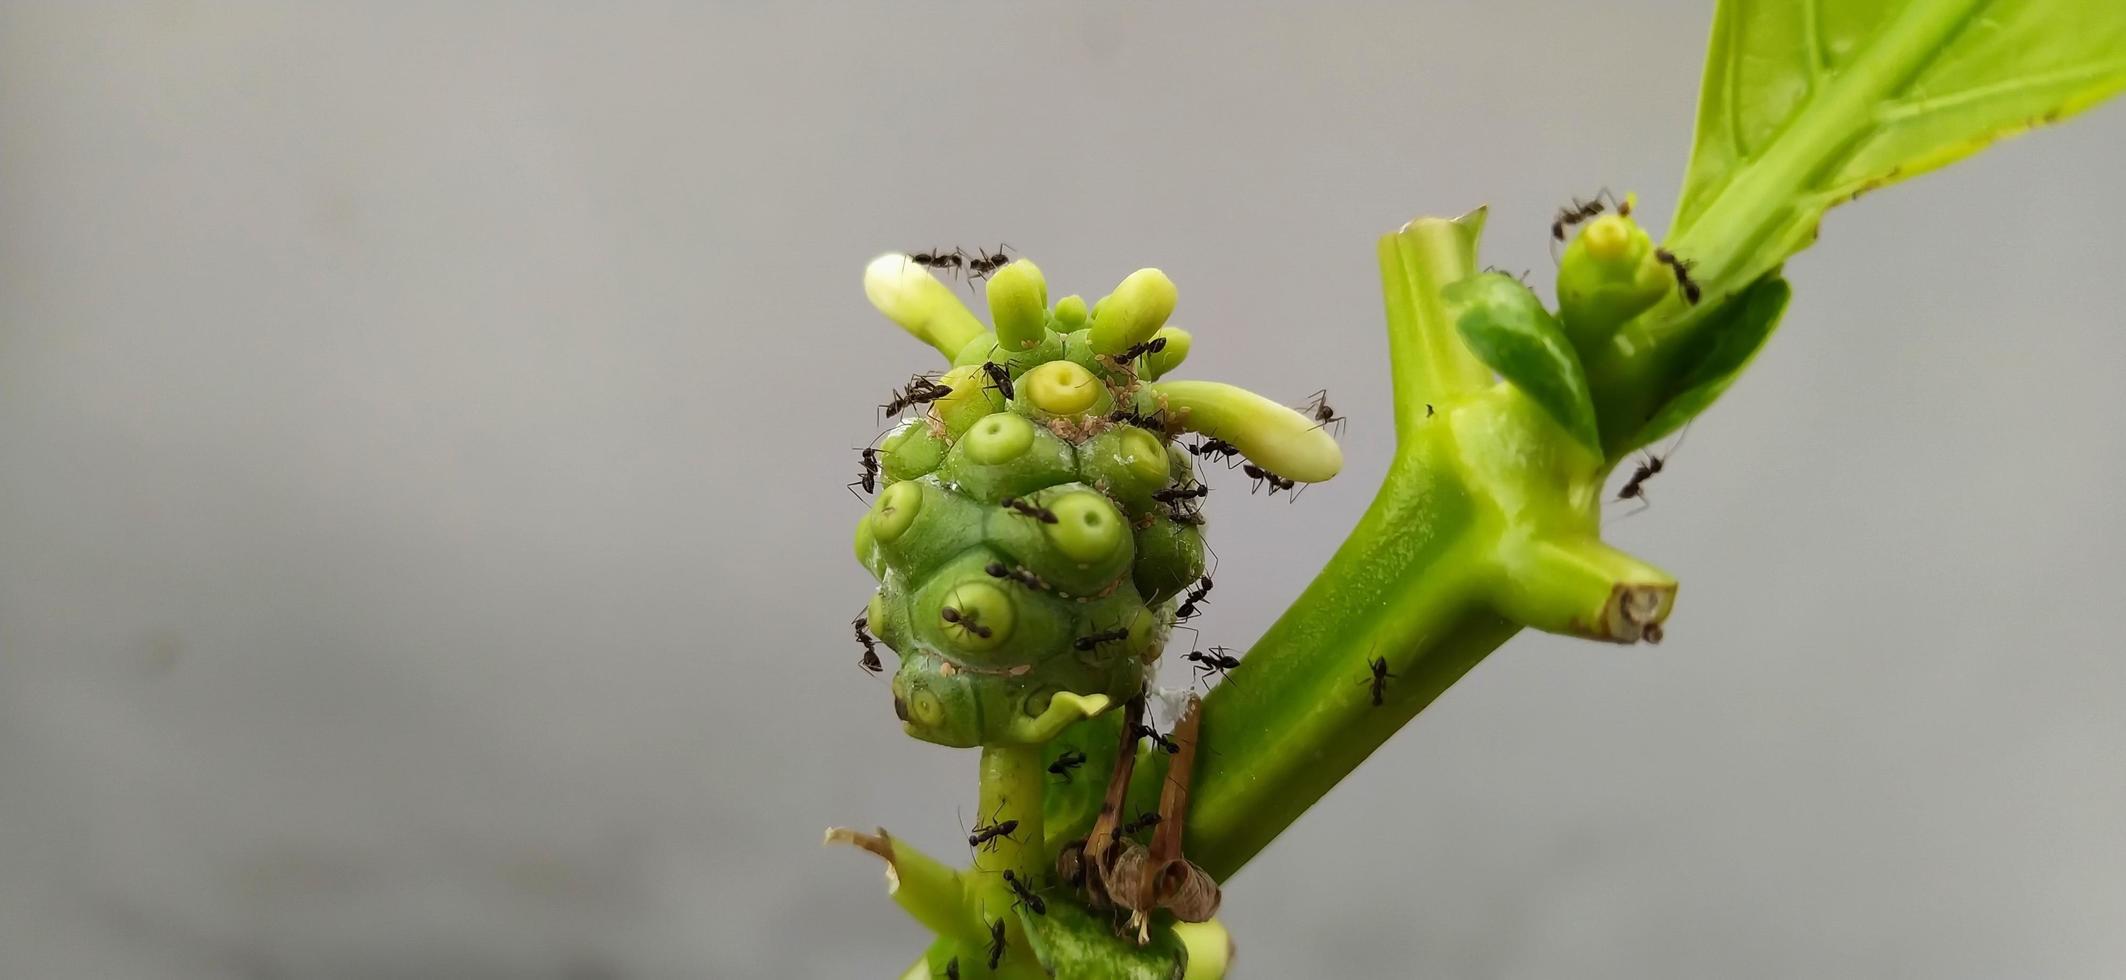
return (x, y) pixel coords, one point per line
(1004, 455)
(894, 511)
(975, 616)
(1063, 388)
(1169, 559)
(1087, 528)
(1070, 314)
(1167, 358)
(1128, 463)
(972, 398)
(910, 451)
(1018, 305)
(920, 525)
(1608, 275)
(1133, 312)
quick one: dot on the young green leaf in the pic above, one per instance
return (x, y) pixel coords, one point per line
(1507, 328)
(1809, 104)
(1722, 351)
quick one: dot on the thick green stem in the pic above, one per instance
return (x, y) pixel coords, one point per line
(1011, 790)
(1428, 360)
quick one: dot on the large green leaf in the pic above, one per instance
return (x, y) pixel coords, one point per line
(1507, 328)
(1809, 103)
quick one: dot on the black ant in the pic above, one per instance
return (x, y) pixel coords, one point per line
(920, 391)
(1026, 509)
(1069, 760)
(996, 943)
(1318, 409)
(868, 478)
(967, 620)
(1147, 731)
(952, 969)
(1092, 640)
(1681, 267)
(1152, 346)
(1151, 422)
(1144, 821)
(1208, 448)
(999, 378)
(1583, 210)
(982, 264)
(940, 260)
(1379, 680)
(991, 833)
(1261, 476)
(1635, 488)
(1178, 494)
(870, 661)
(1216, 660)
(1021, 574)
(1189, 517)
(1025, 895)
(1195, 596)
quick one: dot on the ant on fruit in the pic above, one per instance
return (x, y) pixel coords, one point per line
(1093, 640)
(869, 662)
(1026, 509)
(996, 943)
(1151, 423)
(1020, 574)
(1208, 448)
(1195, 596)
(1261, 476)
(1134, 351)
(920, 391)
(1318, 409)
(983, 264)
(999, 378)
(967, 620)
(1178, 494)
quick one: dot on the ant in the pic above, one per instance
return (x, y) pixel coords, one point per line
(1035, 511)
(1207, 448)
(870, 661)
(1022, 575)
(920, 391)
(1214, 661)
(1151, 422)
(1069, 760)
(967, 620)
(1379, 680)
(868, 478)
(1323, 415)
(940, 260)
(1147, 731)
(989, 834)
(1635, 488)
(1178, 494)
(1092, 640)
(1681, 267)
(982, 264)
(1195, 595)
(1025, 895)
(1152, 346)
(996, 943)
(1583, 210)
(1144, 821)
(1190, 517)
(952, 969)
(1260, 476)
(999, 378)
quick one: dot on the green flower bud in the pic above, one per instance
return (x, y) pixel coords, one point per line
(1274, 436)
(1608, 275)
(1133, 312)
(1087, 528)
(1063, 388)
(1162, 362)
(1070, 314)
(1169, 559)
(910, 451)
(1040, 546)
(1018, 305)
(972, 398)
(1128, 463)
(910, 296)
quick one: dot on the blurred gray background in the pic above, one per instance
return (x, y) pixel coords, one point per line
(423, 547)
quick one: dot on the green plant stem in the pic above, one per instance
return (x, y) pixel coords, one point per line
(1011, 790)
